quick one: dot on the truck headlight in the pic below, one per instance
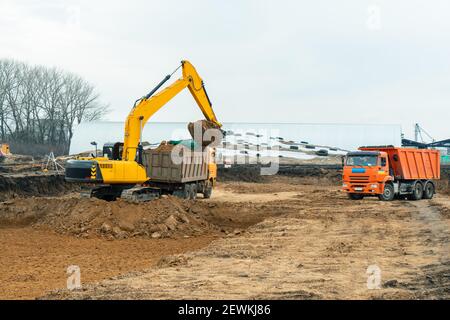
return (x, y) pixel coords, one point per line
(344, 185)
(374, 186)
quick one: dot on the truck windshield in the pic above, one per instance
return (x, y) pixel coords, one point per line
(366, 161)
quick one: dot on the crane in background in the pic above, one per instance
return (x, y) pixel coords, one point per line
(420, 143)
(419, 132)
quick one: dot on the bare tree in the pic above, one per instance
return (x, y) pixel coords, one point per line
(39, 106)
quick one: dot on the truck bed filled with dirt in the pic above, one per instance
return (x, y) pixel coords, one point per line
(190, 165)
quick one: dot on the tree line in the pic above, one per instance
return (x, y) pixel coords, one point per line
(39, 107)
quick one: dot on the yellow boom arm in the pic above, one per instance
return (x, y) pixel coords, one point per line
(148, 105)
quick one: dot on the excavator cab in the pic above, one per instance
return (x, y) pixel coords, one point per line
(113, 151)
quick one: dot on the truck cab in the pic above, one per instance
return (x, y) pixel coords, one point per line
(365, 173)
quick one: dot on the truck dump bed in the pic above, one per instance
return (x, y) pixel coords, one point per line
(161, 167)
(412, 164)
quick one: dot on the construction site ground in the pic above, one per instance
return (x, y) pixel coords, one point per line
(289, 236)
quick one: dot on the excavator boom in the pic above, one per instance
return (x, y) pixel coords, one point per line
(150, 104)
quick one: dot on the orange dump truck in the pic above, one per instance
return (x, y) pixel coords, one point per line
(388, 172)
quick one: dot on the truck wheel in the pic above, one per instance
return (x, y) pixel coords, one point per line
(355, 196)
(208, 191)
(183, 193)
(417, 193)
(193, 191)
(388, 193)
(428, 191)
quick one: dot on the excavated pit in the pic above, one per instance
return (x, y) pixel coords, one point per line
(34, 184)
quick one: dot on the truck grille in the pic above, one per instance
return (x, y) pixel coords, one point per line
(359, 178)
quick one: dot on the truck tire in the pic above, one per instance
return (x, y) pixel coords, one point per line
(355, 196)
(388, 193)
(208, 191)
(417, 192)
(183, 193)
(193, 191)
(428, 191)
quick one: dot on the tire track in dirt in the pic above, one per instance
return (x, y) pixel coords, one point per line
(316, 249)
(432, 280)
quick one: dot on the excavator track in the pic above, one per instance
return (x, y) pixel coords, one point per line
(140, 194)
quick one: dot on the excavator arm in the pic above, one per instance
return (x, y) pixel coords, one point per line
(150, 104)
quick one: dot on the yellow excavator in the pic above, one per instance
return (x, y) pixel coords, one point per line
(125, 171)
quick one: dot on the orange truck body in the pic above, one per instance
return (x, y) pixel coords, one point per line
(388, 171)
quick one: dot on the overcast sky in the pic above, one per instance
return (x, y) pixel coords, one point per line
(349, 61)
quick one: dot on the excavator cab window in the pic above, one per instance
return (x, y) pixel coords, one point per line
(117, 151)
(113, 151)
(108, 150)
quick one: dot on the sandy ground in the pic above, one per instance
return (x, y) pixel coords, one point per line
(36, 261)
(292, 236)
(311, 243)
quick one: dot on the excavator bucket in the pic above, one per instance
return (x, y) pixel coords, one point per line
(205, 133)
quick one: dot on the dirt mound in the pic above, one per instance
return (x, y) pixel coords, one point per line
(33, 184)
(167, 217)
